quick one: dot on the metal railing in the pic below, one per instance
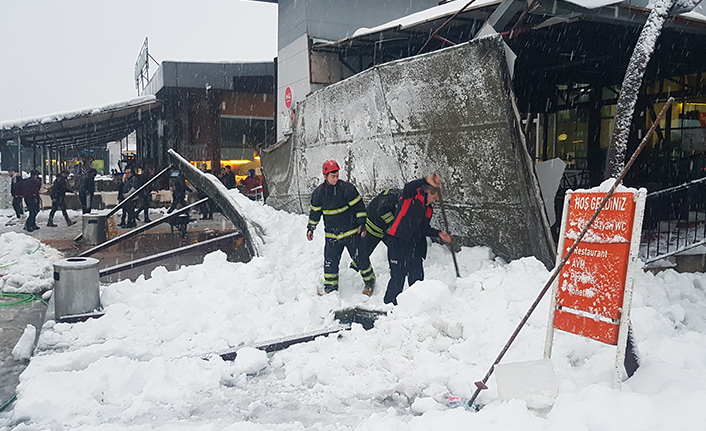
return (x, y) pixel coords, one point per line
(675, 220)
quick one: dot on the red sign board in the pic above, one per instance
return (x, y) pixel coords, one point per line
(288, 97)
(591, 285)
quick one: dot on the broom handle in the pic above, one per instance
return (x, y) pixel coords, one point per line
(446, 225)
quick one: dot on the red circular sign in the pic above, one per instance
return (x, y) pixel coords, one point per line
(288, 97)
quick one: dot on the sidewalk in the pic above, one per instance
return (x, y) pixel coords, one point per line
(14, 319)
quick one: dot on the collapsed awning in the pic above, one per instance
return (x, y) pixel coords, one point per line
(82, 128)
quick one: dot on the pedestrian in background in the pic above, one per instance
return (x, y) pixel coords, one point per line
(143, 177)
(252, 183)
(129, 187)
(15, 178)
(87, 190)
(228, 179)
(179, 192)
(58, 198)
(29, 188)
(206, 208)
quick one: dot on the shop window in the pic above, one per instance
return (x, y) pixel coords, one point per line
(572, 138)
(610, 93)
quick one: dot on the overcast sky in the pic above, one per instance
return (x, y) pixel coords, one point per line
(63, 55)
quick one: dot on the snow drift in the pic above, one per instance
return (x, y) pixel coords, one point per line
(142, 366)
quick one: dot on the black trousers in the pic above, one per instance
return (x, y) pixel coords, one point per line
(17, 205)
(176, 201)
(59, 204)
(33, 208)
(146, 199)
(368, 244)
(129, 213)
(333, 249)
(405, 262)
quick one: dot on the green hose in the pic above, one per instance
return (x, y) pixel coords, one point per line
(22, 298)
(2, 407)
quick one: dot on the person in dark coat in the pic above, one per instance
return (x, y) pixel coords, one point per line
(87, 190)
(58, 198)
(29, 189)
(206, 208)
(344, 216)
(128, 187)
(228, 179)
(179, 193)
(15, 178)
(145, 195)
(406, 244)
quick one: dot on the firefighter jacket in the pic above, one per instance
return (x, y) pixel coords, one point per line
(342, 207)
(413, 215)
(381, 212)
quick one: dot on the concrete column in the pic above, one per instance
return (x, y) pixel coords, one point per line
(44, 163)
(214, 144)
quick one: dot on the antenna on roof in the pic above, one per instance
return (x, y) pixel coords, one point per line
(142, 68)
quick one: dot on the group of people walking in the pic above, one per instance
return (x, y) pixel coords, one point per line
(399, 218)
(130, 183)
(28, 189)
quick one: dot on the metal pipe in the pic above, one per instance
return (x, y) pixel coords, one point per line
(160, 256)
(444, 25)
(140, 229)
(133, 194)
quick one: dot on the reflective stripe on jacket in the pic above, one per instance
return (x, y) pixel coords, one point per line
(341, 206)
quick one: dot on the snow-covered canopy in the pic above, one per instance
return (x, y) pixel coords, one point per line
(430, 14)
(448, 9)
(82, 127)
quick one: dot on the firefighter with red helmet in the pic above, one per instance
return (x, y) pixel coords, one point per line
(344, 217)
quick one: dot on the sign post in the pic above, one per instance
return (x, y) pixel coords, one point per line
(592, 295)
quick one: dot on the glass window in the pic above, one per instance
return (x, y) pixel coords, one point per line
(572, 138)
(245, 132)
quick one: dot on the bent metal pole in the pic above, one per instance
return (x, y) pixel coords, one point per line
(480, 385)
(150, 225)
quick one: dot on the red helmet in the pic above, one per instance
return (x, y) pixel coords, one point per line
(330, 166)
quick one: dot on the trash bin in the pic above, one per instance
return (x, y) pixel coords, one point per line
(76, 286)
(94, 228)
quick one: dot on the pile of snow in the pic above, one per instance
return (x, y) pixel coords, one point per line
(25, 345)
(26, 265)
(148, 362)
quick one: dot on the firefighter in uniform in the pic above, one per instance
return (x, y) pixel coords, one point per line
(381, 213)
(344, 216)
(407, 244)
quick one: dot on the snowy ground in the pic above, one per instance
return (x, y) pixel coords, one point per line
(142, 366)
(25, 264)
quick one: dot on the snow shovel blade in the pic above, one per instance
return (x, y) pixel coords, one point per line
(533, 381)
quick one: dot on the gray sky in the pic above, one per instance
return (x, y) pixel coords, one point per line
(63, 55)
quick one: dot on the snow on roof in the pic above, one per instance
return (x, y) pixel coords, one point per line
(59, 116)
(450, 8)
(426, 15)
(593, 4)
(687, 5)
